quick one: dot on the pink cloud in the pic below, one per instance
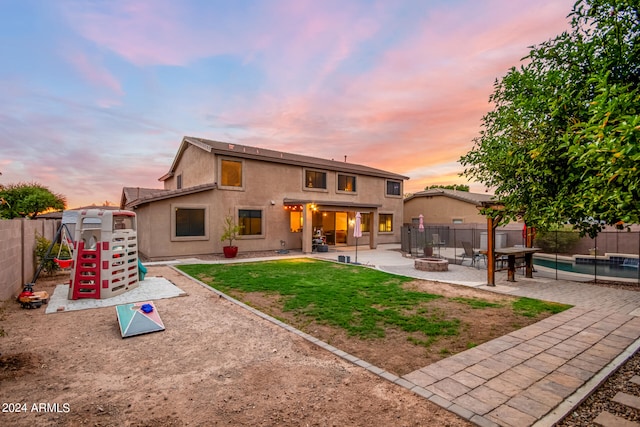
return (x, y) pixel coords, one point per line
(417, 105)
(94, 72)
(423, 102)
(145, 32)
(291, 39)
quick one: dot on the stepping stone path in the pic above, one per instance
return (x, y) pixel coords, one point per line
(606, 419)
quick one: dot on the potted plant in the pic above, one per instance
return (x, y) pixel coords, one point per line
(428, 249)
(230, 233)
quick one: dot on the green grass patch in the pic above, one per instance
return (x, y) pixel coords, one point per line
(362, 301)
(477, 302)
(532, 307)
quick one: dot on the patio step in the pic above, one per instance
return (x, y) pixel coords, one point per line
(607, 419)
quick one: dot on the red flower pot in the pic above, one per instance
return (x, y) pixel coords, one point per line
(230, 251)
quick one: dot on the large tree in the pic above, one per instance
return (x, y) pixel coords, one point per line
(27, 200)
(562, 141)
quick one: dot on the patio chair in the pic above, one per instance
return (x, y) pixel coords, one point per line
(437, 242)
(471, 254)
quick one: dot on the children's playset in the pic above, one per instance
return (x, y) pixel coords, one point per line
(103, 263)
(105, 256)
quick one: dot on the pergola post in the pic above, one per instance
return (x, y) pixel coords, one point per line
(491, 256)
(493, 221)
(530, 233)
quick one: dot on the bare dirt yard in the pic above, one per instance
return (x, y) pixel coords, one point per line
(216, 364)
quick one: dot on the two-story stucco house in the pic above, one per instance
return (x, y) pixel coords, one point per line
(280, 199)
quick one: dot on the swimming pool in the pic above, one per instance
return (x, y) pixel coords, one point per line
(590, 269)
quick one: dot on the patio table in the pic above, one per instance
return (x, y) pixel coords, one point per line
(515, 252)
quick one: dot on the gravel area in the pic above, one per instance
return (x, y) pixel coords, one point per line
(601, 399)
(629, 286)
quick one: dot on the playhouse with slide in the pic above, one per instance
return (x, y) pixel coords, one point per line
(105, 254)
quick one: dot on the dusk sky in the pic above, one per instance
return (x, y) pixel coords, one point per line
(97, 95)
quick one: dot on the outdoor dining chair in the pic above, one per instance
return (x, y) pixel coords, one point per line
(437, 242)
(472, 254)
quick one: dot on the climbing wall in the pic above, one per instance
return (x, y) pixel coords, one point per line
(106, 254)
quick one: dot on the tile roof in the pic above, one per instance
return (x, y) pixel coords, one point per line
(248, 152)
(136, 196)
(465, 196)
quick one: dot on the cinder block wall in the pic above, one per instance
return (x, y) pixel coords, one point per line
(11, 251)
(17, 244)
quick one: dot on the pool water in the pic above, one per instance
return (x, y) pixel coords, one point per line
(590, 269)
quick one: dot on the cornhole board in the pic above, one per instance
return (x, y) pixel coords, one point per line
(134, 320)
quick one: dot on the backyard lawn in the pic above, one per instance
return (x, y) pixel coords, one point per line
(394, 322)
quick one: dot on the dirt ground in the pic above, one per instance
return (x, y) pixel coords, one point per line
(215, 364)
(395, 352)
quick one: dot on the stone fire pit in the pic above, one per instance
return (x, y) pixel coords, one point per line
(431, 264)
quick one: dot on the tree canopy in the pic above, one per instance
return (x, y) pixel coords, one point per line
(561, 144)
(27, 200)
(457, 187)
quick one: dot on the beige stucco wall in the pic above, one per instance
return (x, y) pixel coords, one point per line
(266, 185)
(442, 210)
(196, 167)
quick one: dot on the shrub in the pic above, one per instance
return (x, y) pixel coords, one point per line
(561, 240)
(48, 264)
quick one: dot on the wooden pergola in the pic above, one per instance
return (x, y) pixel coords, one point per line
(493, 221)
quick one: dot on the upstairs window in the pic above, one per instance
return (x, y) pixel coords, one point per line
(231, 173)
(394, 188)
(315, 179)
(179, 182)
(347, 183)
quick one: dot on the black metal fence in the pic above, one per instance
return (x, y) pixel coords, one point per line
(611, 255)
